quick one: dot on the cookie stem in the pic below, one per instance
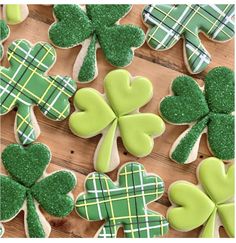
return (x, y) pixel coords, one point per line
(209, 228)
(35, 228)
(185, 147)
(105, 149)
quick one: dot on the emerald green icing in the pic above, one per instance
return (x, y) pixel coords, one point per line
(188, 198)
(226, 212)
(96, 114)
(10, 206)
(168, 23)
(88, 70)
(105, 150)
(195, 206)
(34, 224)
(123, 203)
(26, 166)
(5, 31)
(13, 13)
(51, 93)
(74, 25)
(212, 108)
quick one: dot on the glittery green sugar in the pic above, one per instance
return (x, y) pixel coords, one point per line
(75, 25)
(211, 109)
(26, 166)
(4, 33)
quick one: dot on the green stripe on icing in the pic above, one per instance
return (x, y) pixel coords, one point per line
(13, 13)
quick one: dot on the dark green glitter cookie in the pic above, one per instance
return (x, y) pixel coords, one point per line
(93, 27)
(207, 111)
(4, 33)
(26, 188)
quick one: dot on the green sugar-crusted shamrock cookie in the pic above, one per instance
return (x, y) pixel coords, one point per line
(206, 110)
(123, 203)
(26, 84)
(114, 115)
(168, 23)
(95, 26)
(209, 204)
(27, 187)
(4, 33)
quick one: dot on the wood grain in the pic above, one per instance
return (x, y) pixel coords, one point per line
(76, 154)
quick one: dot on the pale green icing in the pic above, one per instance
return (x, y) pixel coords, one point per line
(226, 212)
(125, 96)
(105, 150)
(140, 128)
(209, 228)
(218, 184)
(13, 13)
(188, 198)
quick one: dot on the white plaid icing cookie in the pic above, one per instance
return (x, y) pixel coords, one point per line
(168, 23)
(26, 84)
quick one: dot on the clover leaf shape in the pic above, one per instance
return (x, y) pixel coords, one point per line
(209, 111)
(168, 23)
(123, 203)
(209, 204)
(114, 115)
(5, 31)
(95, 26)
(27, 187)
(24, 84)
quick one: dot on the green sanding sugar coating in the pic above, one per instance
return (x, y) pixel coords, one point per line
(74, 25)
(210, 109)
(4, 32)
(26, 166)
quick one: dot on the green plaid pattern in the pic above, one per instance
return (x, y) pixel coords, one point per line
(124, 204)
(171, 22)
(25, 84)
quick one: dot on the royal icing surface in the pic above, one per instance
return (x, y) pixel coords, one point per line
(115, 115)
(209, 111)
(95, 26)
(25, 84)
(123, 203)
(209, 204)
(5, 31)
(27, 187)
(168, 23)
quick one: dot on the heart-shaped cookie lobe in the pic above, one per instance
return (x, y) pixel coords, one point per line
(26, 164)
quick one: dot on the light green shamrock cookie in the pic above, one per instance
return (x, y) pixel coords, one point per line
(114, 115)
(209, 204)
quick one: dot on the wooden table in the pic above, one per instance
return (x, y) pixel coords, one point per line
(76, 154)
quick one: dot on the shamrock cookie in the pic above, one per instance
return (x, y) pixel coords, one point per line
(26, 84)
(1, 230)
(5, 32)
(123, 203)
(28, 187)
(95, 26)
(15, 13)
(115, 114)
(209, 204)
(206, 109)
(168, 23)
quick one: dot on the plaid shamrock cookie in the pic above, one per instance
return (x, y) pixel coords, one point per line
(116, 114)
(27, 187)
(4, 34)
(207, 109)
(26, 84)
(168, 23)
(95, 26)
(210, 204)
(123, 203)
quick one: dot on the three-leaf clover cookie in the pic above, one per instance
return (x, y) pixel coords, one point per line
(168, 23)
(27, 187)
(26, 84)
(209, 204)
(123, 203)
(207, 109)
(115, 114)
(95, 26)
(4, 33)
